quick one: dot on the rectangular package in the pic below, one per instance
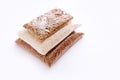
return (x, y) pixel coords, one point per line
(49, 36)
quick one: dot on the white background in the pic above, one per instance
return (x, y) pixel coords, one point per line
(95, 57)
